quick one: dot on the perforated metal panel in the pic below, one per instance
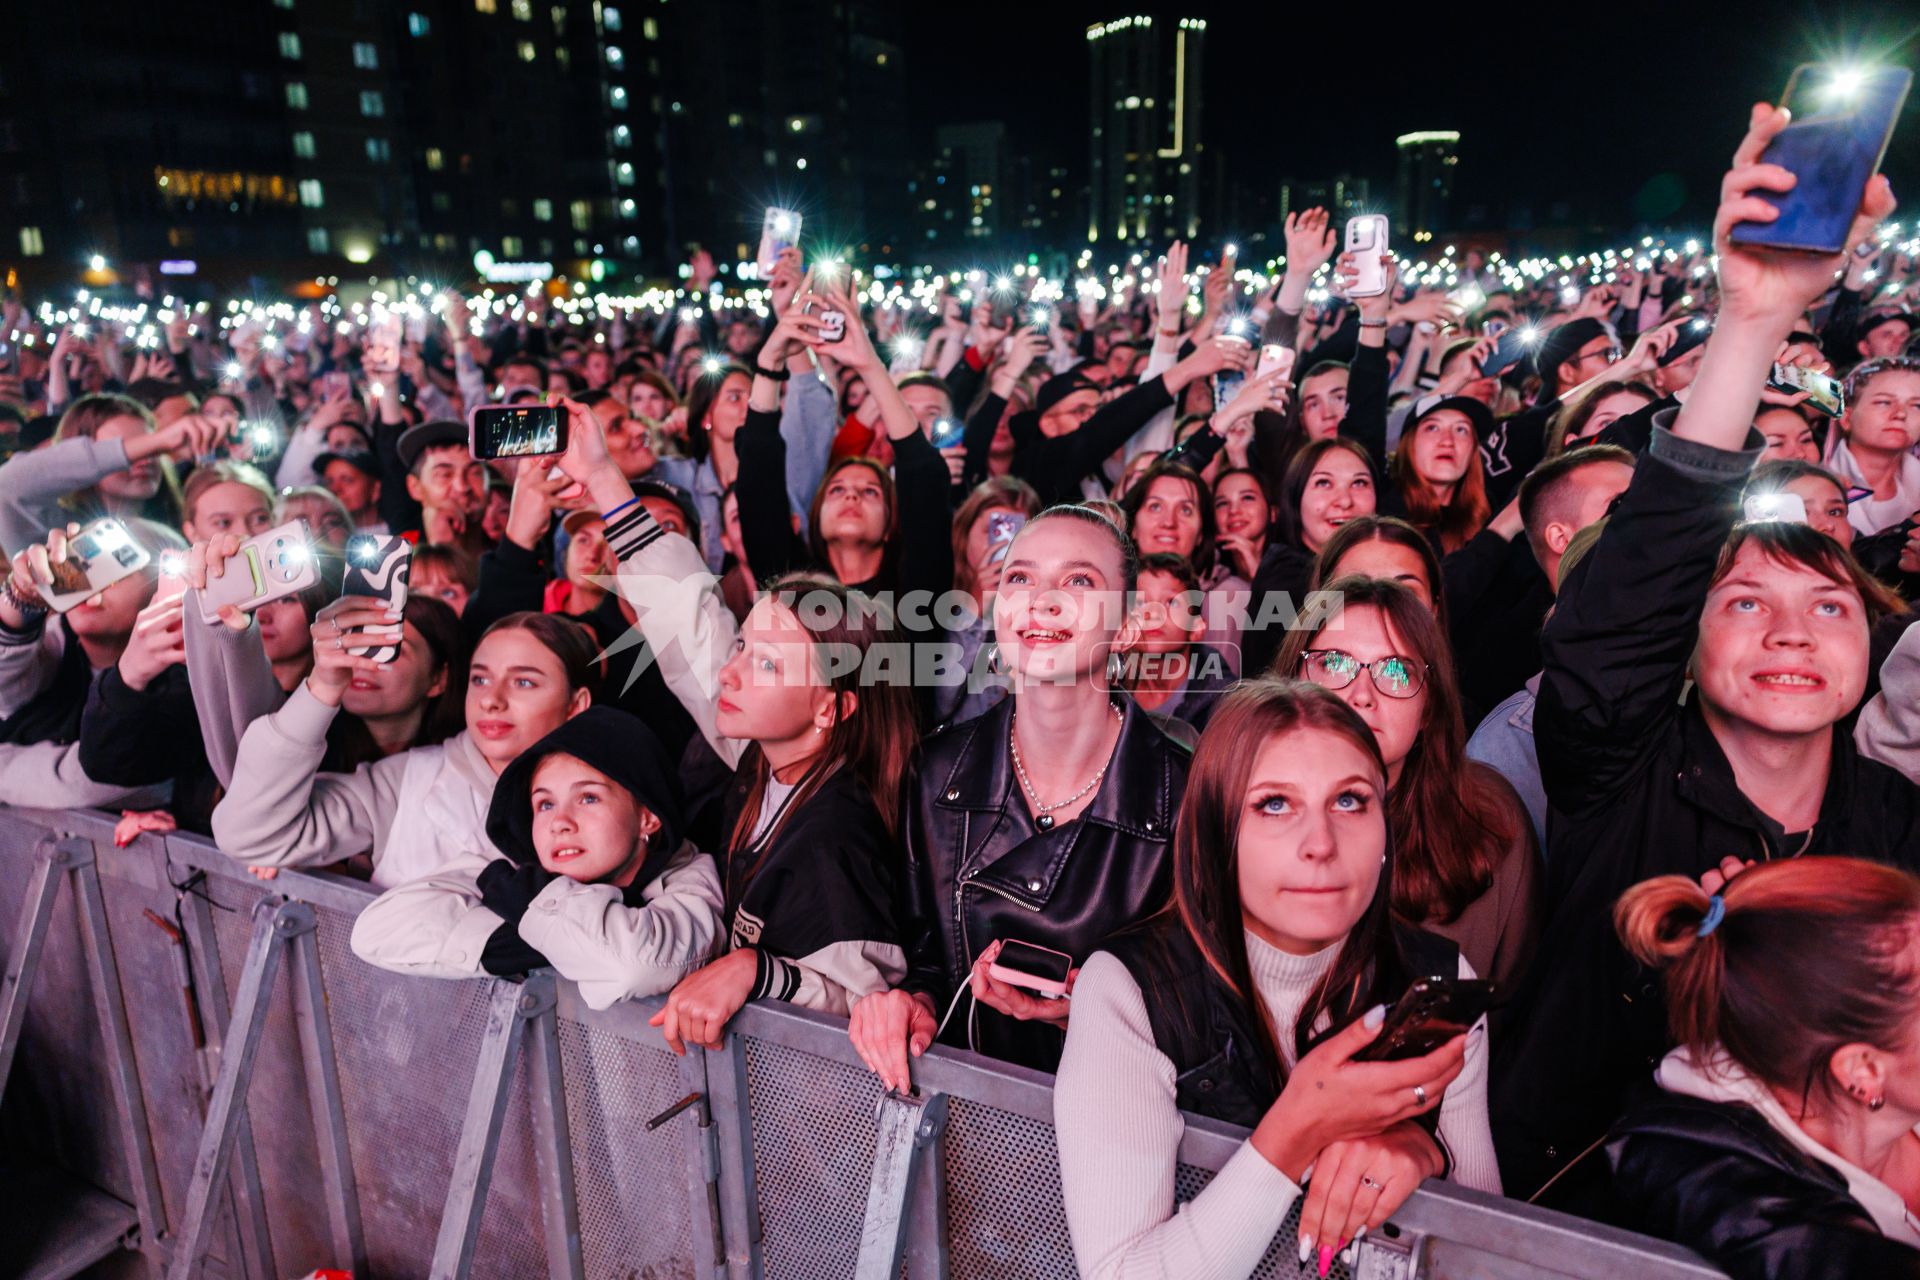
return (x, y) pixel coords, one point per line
(1282, 1257)
(813, 1139)
(635, 1211)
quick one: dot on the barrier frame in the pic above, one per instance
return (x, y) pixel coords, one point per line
(717, 1151)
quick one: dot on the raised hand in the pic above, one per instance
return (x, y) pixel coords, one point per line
(1310, 241)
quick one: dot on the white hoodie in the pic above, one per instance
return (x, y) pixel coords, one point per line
(1718, 1078)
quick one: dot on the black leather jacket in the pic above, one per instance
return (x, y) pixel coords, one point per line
(1717, 1178)
(981, 869)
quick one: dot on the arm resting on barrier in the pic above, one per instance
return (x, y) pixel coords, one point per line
(433, 927)
(1119, 1130)
(834, 977)
(614, 952)
(280, 811)
(47, 775)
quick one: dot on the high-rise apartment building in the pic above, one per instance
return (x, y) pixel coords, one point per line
(1423, 183)
(1145, 114)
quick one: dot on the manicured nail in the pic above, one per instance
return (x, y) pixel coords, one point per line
(1326, 1261)
(1360, 1233)
(1346, 1255)
(1306, 1247)
(1375, 1016)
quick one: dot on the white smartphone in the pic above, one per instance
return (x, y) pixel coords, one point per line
(276, 564)
(1788, 508)
(98, 556)
(1367, 241)
(1273, 357)
(780, 228)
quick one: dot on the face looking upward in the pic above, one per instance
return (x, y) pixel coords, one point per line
(1339, 487)
(1443, 447)
(1312, 839)
(1240, 507)
(586, 826)
(1169, 518)
(1061, 606)
(516, 695)
(1782, 649)
(1323, 404)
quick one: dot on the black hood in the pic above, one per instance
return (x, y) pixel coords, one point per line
(619, 746)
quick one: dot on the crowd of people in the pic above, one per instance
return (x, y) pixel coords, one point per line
(1493, 627)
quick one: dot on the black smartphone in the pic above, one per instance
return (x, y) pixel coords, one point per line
(948, 432)
(1429, 1013)
(379, 567)
(517, 430)
(1843, 118)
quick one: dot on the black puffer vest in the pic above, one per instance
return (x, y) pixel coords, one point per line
(1210, 1036)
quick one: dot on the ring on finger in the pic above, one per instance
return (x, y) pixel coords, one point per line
(1368, 1180)
(1420, 1094)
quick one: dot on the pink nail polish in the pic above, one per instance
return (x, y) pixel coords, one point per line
(1326, 1261)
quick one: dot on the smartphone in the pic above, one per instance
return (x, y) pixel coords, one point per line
(1031, 968)
(1004, 303)
(272, 566)
(384, 332)
(947, 432)
(833, 326)
(1509, 350)
(173, 575)
(1825, 393)
(1366, 241)
(1274, 357)
(379, 567)
(1002, 528)
(1843, 118)
(98, 556)
(1494, 328)
(1040, 319)
(779, 229)
(1226, 385)
(516, 430)
(1784, 508)
(1429, 1013)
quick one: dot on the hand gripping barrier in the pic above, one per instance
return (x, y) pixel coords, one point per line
(248, 1100)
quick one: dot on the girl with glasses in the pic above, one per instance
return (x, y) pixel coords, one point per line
(1467, 860)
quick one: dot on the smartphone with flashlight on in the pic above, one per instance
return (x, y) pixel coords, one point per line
(1274, 358)
(1367, 242)
(947, 432)
(779, 229)
(1843, 118)
(271, 566)
(516, 430)
(1783, 508)
(1824, 392)
(98, 556)
(379, 568)
(384, 333)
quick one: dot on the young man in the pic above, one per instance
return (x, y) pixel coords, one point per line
(1771, 623)
(354, 478)
(446, 482)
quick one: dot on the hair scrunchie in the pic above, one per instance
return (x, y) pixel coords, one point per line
(1716, 912)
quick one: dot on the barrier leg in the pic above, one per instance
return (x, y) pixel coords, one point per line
(909, 1137)
(272, 917)
(323, 1094)
(515, 1011)
(24, 964)
(553, 1144)
(253, 1253)
(129, 1105)
(725, 1077)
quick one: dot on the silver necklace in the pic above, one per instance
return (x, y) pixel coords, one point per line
(1043, 813)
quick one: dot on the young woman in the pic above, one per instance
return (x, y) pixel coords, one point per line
(49, 667)
(983, 528)
(1329, 482)
(1782, 1142)
(598, 880)
(809, 827)
(1869, 445)
(1819, 490)
(1771, 621)
(326, 516)
(107, 458)
(1585, 415)
(1248, 1000)
(1788, 434)
(1383, 547)
(416, 810)
(1242, 515)
(225, 497)
(1437, 470)
(1045, 820)
(444, 571)
(1169, 511)
(1468, 867)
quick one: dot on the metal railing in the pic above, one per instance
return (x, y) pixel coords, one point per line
(249, 1100)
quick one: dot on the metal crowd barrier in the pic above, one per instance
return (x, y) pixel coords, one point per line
(201, 1079)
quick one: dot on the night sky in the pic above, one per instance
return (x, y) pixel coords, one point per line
(1628, 117)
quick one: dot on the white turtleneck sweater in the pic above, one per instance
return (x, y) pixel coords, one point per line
(1119, 1133)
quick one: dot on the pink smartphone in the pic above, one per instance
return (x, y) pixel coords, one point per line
(1274, 356)
(276, 564)
(1021, 964)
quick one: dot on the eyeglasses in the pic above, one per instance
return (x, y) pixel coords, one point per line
(1394, 676)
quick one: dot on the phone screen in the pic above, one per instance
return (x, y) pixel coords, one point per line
(519, 431)
(1428, 1014)
(1843, 118)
